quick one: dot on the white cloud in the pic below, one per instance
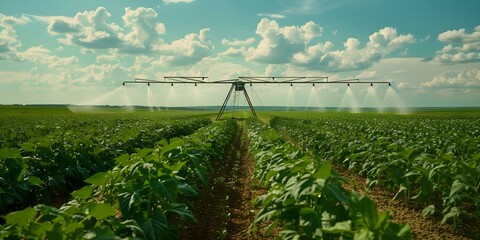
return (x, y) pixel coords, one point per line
(279, 44)
(301, 46)
(234, 52)
(461, 47)
(146, 31)
(177, 1)
(88, 29)
(186, 51)
(456, 78)
(353, 57)
(39, 54)
(276, 70)
(34, 54)
(271, 15)
(8, 37)
(100, 74)
(236, 42)
(140, 34)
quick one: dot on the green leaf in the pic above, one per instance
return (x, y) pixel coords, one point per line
(186, 189)
(98, 179)
(100, 210)
(156, 227)
(340, 227)
(456, 186)
(9, 153)
(22, 217)
(453, 213)
(265, 215)
(28, 146)
(401, 190)
(183, 212)
(123, 159)
(83, 193)
(178, 166)
(35, 181)
(428, 210)
(271, 227)
(324, 170)
(99, 233)
(142, 153)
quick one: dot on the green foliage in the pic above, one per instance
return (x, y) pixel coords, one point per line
(137, 198)
(305, 198)
(57, 160)
(432, 160)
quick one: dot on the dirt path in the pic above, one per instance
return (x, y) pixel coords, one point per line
(224, 211)
(401, 212)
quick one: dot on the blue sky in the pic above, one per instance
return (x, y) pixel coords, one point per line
(80, 52)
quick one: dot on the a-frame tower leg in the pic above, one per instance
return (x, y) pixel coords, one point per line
(249, 102)
(220, 113)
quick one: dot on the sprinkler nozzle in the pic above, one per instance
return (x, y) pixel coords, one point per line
(348, 84)
(148, 84)
(171, 84)
(291, 84)
(195, 84)
(389, 84)
(371, 84)
(123, 84)
(314, 84)
(250, 84)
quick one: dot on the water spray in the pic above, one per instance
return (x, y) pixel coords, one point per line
(238, 84)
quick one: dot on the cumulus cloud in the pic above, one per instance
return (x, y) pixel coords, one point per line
(456, 79)
(140, 34)
(145, 29)
(41, 55)
(236, 42)
(186, 51)
(461, 47)
(104, 73)
(353, 56)
(88, 29)
(279, 44)
(177, 1)
(301, 47)
(8, 37)
(235, 52)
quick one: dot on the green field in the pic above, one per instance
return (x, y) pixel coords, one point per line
(110, 172)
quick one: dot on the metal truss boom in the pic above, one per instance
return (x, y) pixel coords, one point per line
(238, 84)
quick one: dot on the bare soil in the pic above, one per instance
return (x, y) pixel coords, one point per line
(224, 211)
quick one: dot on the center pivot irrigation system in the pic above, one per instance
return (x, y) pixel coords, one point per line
(238, 84)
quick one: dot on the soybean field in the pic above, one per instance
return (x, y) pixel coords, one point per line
(113, 173)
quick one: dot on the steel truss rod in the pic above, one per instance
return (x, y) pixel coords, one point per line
(219, 82)
(249, 102)
(185, 79)
(238, 84)
(283, 79)
(222, 109)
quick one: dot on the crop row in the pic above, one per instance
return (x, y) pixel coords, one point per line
(58, 162)
(433, 161)
(304, 198)
(143, 197)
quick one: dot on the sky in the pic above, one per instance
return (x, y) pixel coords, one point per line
(80, 52)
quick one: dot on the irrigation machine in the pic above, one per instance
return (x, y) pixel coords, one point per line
(238, 84)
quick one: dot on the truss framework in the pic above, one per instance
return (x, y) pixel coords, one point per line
(238, 84)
